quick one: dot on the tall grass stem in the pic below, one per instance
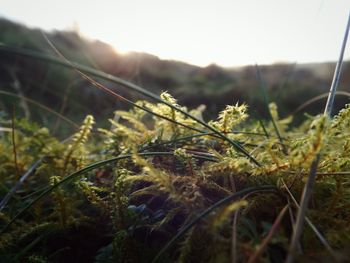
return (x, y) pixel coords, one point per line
(308, 188)
(337, 73)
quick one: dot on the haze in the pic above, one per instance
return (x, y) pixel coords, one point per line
(228, 33)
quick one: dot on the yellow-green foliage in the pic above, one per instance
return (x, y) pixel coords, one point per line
(226, 213)
(75, 150)
(31, 143)
(62, 159)
(230, 117)
(167, 129)
(182, 190)
(184, 173)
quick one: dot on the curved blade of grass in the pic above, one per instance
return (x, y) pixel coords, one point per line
(42, 106)
(23, 178)
(185, 138)
(8, 196)
(317, 98)
(85, 170)
(235, 144)
(124, 83)
(27, 248)
(81, 69)
(244, 192)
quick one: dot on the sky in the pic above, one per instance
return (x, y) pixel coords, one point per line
(200, 32)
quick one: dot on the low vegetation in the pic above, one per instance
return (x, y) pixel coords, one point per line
(119, 194)
(159, 183)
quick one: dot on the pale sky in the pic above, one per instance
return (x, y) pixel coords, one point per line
(225, 32)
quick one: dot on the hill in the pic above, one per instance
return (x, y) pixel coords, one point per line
(288, 84)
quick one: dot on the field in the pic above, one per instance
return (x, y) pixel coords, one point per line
(97, 167)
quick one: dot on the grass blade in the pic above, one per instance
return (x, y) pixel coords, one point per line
(317, 98)
(42, 106)
(302, 210)
(86, 70)
(264, 90)
(234, 256)
(237, 195)
(186, 138)
(85, 170)
(337, 73)
(13, 190)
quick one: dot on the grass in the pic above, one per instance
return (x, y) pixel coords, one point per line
(81, 69)
(163, 185)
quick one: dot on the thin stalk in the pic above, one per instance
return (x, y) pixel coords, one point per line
(86, 70)
(42, 106)
(19, 255)
(308, 188)
(264, 129)
(259, 146)
(23, 178)
(118, 96)
(63, 104)
(305, 198)
(157, 98)
(13, 190)
(189, 137)
(255, 257)
(81, 69)
(323, 174)
(311, 225)
(264, 90)
(82, 171)
(17, 86)
(234, 256)
(187, 227)
(14, 147)
(292, 220)
(337, 73)
(317, 98)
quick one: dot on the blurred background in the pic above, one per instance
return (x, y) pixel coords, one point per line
(202, 52)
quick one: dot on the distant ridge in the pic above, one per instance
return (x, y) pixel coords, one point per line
(215, 86)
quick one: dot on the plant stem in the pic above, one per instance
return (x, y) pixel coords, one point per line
(305, 198)
(255, 257)
(336, 77)
(266, 100)
(311, 225)
(235, 196)
(308, 188)
(14, 147)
